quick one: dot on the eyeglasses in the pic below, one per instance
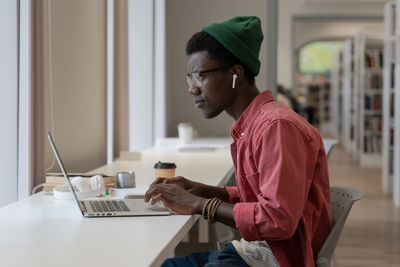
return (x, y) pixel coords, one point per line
(196, 77)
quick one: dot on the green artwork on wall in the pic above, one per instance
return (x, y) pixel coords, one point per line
(317, 57)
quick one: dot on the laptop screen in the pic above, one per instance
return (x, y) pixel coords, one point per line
(53, 147)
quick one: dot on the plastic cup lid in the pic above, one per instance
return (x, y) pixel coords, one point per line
(164, 165)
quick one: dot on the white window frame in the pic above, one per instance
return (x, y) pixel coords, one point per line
(25, 103)
(146, 29)
(8, 100)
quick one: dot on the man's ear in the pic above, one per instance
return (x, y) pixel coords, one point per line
(239, 71)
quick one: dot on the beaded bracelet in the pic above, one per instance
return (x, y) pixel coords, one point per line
(203, 212)
(212, 219)
(210, 208)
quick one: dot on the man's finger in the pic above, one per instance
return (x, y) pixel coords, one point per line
(150, 192)
(158, 180)
(175, 180)
(156, 198)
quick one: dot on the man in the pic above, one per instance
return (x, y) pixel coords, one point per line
(281, 203)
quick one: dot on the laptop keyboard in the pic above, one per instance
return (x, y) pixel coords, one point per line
(108, 205)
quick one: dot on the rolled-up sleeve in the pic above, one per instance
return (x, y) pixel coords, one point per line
(285, 162)
(233, 194)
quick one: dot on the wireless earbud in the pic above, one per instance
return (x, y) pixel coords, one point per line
(234, 76)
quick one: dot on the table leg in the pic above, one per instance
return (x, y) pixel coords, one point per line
(186, 238)
(203, 231)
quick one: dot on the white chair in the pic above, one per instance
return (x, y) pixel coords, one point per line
(328, 145)
(342, 199)
(229, 179)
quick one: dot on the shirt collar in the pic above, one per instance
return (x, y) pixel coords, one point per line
(238, 128)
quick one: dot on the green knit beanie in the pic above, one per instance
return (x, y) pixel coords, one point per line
(242, 36)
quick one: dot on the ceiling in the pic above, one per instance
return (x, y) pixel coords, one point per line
(342, 1)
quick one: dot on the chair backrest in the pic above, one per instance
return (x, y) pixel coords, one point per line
(328, 145)
(342, 199)
(229, 179)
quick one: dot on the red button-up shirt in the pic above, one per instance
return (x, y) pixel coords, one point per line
(282, 193)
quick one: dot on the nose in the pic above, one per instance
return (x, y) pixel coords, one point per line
(194, 90)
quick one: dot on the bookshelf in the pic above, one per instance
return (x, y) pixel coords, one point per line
(325, 107)
(355, 103)
(391, 103)
(309, 91)
(312, 99)
(396, 145)
(335, 96)
(369, 57)
(341, 100)
(388, 97)
(350, 96)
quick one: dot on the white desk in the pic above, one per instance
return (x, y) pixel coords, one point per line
(41, 231)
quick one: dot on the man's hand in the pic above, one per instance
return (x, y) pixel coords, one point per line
(187, 197)
(191, 186)
(197, 189)
(174, 197)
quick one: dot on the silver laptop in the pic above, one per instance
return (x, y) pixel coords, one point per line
(104, 207)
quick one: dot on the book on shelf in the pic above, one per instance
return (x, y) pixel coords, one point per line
(391, 169)
(373, 124)
(58, 178)
(374, 58)
(391, 105)
(391, 136)
(373, 102)
(375, 81)
(352, 132)
(392, 69)
(372, 144)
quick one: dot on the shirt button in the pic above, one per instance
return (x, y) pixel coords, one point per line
(242, 134)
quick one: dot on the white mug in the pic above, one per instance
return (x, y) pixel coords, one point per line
(185, 131)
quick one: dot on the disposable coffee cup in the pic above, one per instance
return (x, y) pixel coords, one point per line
(185, 132)
(165, 169)
(126, 179)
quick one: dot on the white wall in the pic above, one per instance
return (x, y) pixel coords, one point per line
(296, 8)
(74, 58)
(8, 100)
(183, 19)
(310, 30)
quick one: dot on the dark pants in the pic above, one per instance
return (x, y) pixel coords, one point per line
(225, 257)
